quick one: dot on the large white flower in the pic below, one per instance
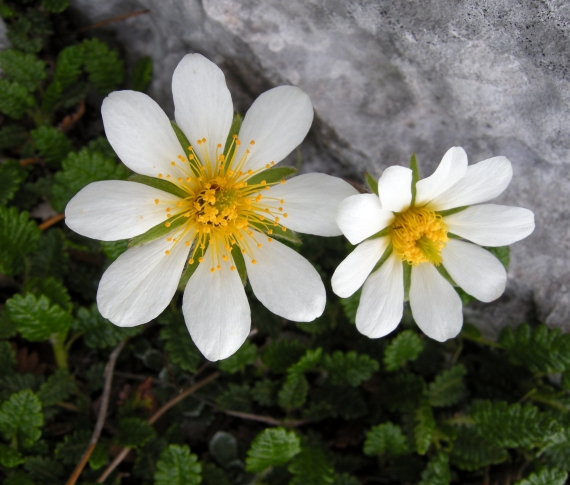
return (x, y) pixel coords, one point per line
(223, 213)
(414, 236)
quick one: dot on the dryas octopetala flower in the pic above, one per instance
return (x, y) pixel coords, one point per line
(416, 237)
(217, 213)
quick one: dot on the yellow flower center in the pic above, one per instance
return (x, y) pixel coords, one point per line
(221, 206)
(418, 236)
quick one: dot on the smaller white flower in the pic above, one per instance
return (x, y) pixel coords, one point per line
(421, 230)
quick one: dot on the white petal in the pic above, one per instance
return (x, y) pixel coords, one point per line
(139, 285)
(395, 188)
(203, 104)
(482, 182)
(141, 133)
(353, 271)
(435, 305)
(451, 169)
(216, 310)
(476, 270)
(284, 281)
(361, 216)
(382, 301)
(277, 122)
(310, 202)
(491, 224)
(115, 209)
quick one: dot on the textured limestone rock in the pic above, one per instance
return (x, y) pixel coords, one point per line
(391, 78)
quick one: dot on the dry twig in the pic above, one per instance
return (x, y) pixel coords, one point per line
(51, 221)
(114, 19)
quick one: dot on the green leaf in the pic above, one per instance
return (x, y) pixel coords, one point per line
(310, 360)
(224, 448)
(405, 347)
(22, 35)
(177, 466)
(57, 388)
(53, 289)
(547, 476)
(415, 176)
(404, 392)
(7, 357)
(50, 259)
(15, 99)
(437, 471)
(142, 74)
(236, 397)
(68, 65)
(264, 392)
(55, 6)
(276, 231)
(385, 440)
(502, 253)
(99, 456)
(272, 175)
(43, 470)
(184, 142)
(293, 394)
(539, 349)
(134, 432)
(212, 475)
(12, 136)
(160, 184)
(246, 355)
(513, 425)
(100, 333)
(424, 427)
(79, 170)
(350, 367)
(350, 306)
(21, 418)
(234, 130)
(179, 346)
(19, 237)
(448, 388)
(187, 274)
(157, 231)
(272, 447)
(52, 144)
(71, 449)
(11, 176)
(25, 69)
(557, 450)
(472, 451)
(9, 457)
(311, 467)
(37, 318)
(106, 71)
(113, 249)
(281, 355)
(19, 478)
(408, 279)
(372, 183)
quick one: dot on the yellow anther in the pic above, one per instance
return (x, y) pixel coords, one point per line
(272, 163)
(283, 228)
(261, 218)
(199, 142)
(189, 148)
(169, 215)
(212, 269)
(167, 224)
(243, 251)
(250, 171)
(203, 140)
(252, 142)
(200, 260)
(281, 201)
(263, 182)
(169, 239)
(167, 252)
(187, 243)
(224, 257)
(233, 268)
(202, 246)
(259, 246)
(159, 175)
(247, 151)
(219, 145)
(179, 203)
(285, 215)
(234, 136)
(267, 187)
(187, 214)
(269, 239)
(270, 231)
(167, 175)
(277, 219)
(180, 179)
(267, 165)
(253, 261)
(282, 181)
(188, 179)
(221, 157)
(281, 209)
(173, 164)
(168, 209)
(156, 201)
(191, 261)
(258, 198)
(238, 143)
(218, 267)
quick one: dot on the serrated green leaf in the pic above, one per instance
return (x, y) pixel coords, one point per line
(9, 457)
(159, 184)
(350, 306)
(557, 450)
(25, 69)
(100, 333)
(37, 318)
(43, 470)
(405, 347)
(68, 65)
(55, 6)
(404, 392)
(79, 170)
(437, 471)
(472, 451)
(21, 418)
(71, 449)
(311, 467)
(246, 355)
(179, 345)
(546, 476)
(15, 99)
(281, 355)
(293, 394)
(178, 466)
(15, 382)
(99, 457)
(113, 249)
(264, 392)
(52, 288)
(307, 362)
(236, 397)
(57, 388)
(11, 176)
(142, 74)
(424, 427)
(448, 387)
(12, 136)
(350, 367)
(7, 357)
(7, 327)
(52, 144)
(19, 478)
(22, 34)
(212, 475)
(106, 71)
(50, 259)
(385, 440)
(272, 447)
(272, 175)
(224, 448)
(19, 237)
(372, 183)
(134, 432)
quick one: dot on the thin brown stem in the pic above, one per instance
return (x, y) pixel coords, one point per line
(266, 419)
(51, 221)
(29, 161)
(102, 415)
(114, 19)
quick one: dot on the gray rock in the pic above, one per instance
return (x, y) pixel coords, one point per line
(391, 78)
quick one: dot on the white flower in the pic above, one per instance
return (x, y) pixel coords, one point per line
(218, 209)
(422, 232)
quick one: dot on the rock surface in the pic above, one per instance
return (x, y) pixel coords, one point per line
(391, 78)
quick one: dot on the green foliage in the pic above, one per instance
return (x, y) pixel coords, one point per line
(11, 136)
(22, 68)
(281, 355)
(448, 387)
(21, 418)
(293, 394)
(547, 476)
(372, 183)
(19, 237)
(106, 71)
(246, 355)
(11, 176)
(15, 99)
(472, 451)
(52, 145)
(385, 440)
(55, 6)
(9, 457)
(134, 432)
(50, 261)
(311, 467)
(79, 170)
(71, 449)
(177, 466)
(350, 368)
(113, 249)
(236, 397)
(179, 346)
(142, 74)
(424, 428)
(272, 175)
(350, 306)
(58, 387)
(272, 447)
(406, 347)
(7, 358)
(437, 471)
(264, 392)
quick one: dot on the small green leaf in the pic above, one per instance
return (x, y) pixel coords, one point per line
(281, 355)
(350, 368)
(385, 440)
(21, 418)
(9, 457)
(52, 288)
(19, 237)
(350, 306)
(293, 394)
(234, 130)
(55, 6)
(71, 449)
(424, 427)
(113, 249)
(448, 388)
(57, 388)
(106, 71)
(405, 347)
(142, 74)
(37, 318)
(264, 392)
(11, 176)
(7, 356)
(99, 456)
(52, 144)
(159, 184)
(158, 231)
(272, 447)
(437, 471)
(372, 183)
(307, 362)
(236, 397)
(546, 476)
(178, 466)
(12, 136)
(180, 348)
(246, 355)
(223, 447)
(134, 432)
(415, 176)
(19, 478)
(311, 467)
(25, 69)
(43, 470)
(502, 253)
(472, 451)
(15, 99)
(272, 175)
(50, 259)
(239, 262)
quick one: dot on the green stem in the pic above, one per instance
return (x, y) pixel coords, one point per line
(481, 340)
(59, 350)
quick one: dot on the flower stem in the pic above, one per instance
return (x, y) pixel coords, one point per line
(59, 350)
